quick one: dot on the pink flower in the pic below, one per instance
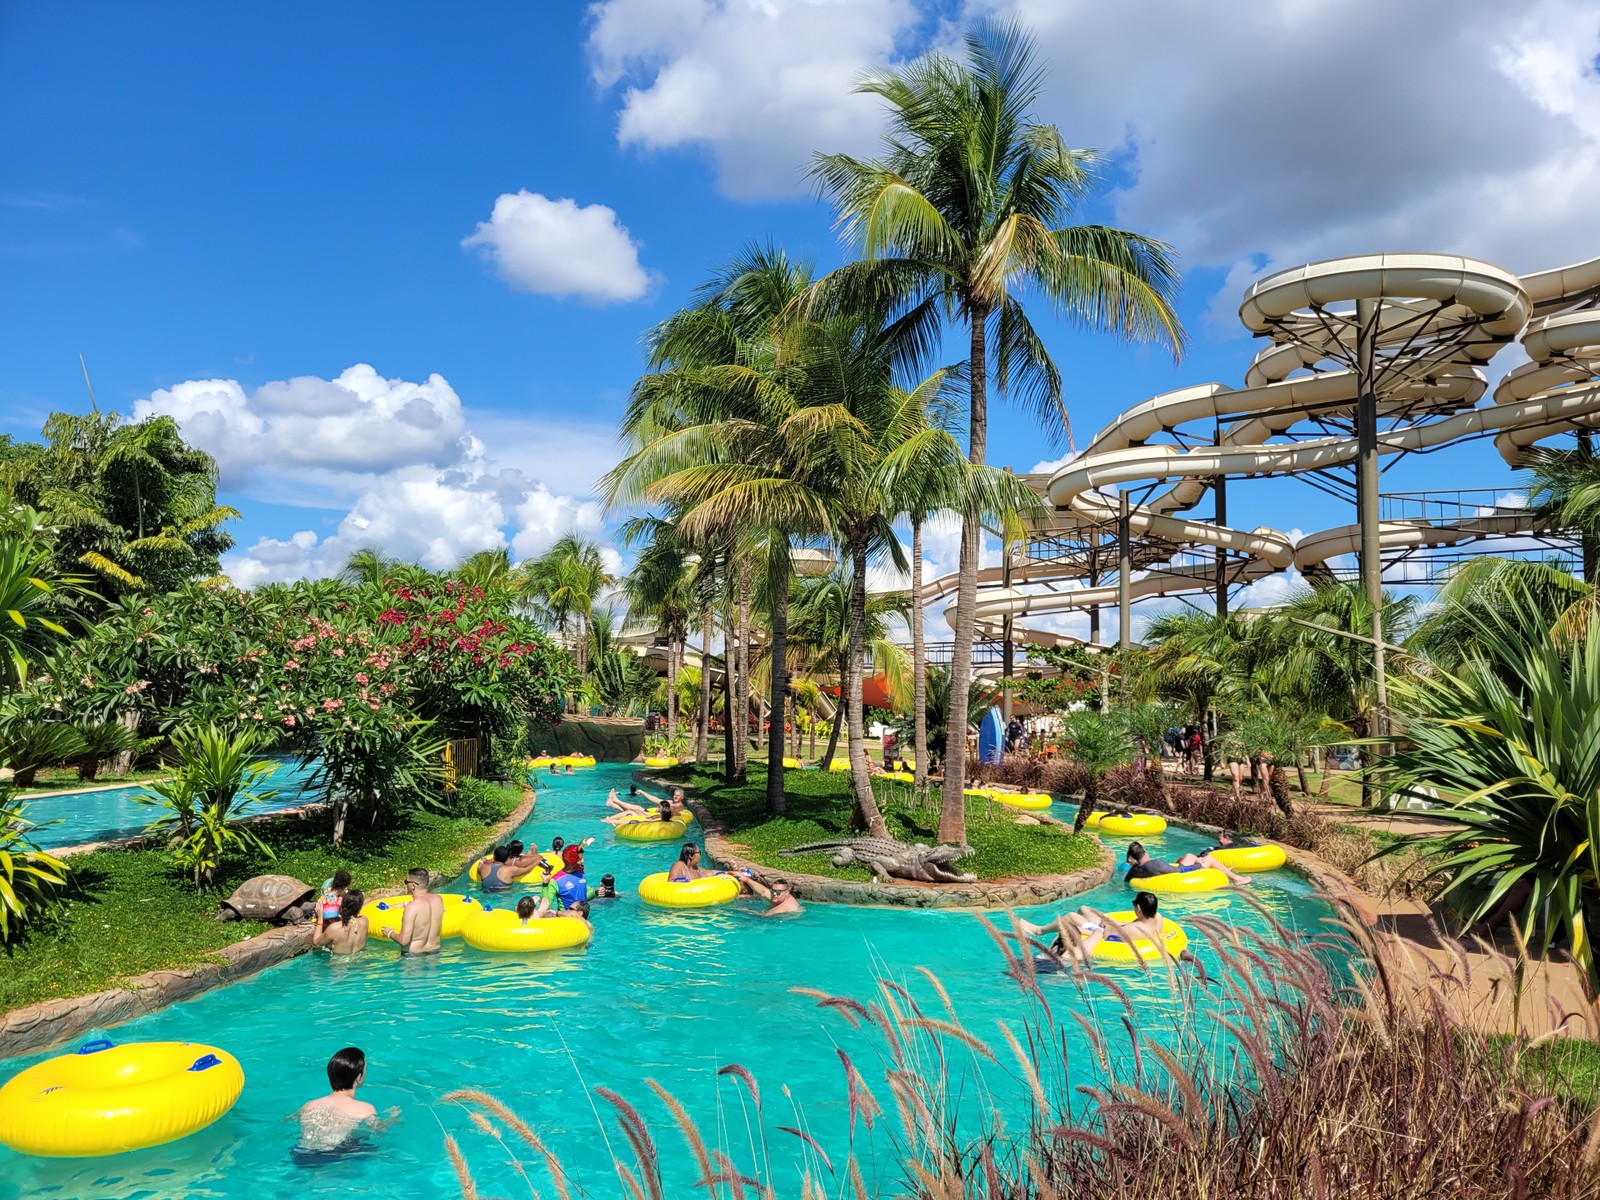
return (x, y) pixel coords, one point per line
(149, 612)
(291, 664)
(338, 651)
(330, 704)
(361, 676)
(289, 721)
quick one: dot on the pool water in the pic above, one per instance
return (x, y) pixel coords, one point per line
(75, 818)
(663, 994)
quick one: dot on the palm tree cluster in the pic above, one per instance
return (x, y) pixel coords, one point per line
(786, 412)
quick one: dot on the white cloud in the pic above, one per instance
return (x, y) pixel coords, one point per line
(759, 86)
(1255, 136)
(400, 462)
(317, 430)
(559, 248)
(1051, 465)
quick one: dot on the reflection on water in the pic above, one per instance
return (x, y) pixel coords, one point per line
(670, 995)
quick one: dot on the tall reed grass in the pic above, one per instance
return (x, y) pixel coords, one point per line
(1299, 1068)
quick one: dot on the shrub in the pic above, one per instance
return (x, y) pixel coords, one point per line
(30, 878)
(217, 778)
(480, 800)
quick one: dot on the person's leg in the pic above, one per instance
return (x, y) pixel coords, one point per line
(1236, 771)
(1207, 861)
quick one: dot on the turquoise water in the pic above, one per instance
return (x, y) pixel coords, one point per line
(657, 994)
(74, 818)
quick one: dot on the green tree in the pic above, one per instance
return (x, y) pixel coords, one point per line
(1099, 743)
(564, 583)
(217, 778)
(1564, 493)
(965, 212)
(31, 879)
(34, 599)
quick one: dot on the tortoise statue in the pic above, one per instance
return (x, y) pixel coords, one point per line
(282, 899)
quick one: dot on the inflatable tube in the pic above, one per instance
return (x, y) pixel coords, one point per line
(665, 761)
(1201, 879)
(1033, 802)
(839, 764)
(1133, 825)
(791, 762)
(1251, 858)
(106, 1098)
(663, 892)
(900, 776)
(977, 793)
(1112, 949)
(652, 831)
(544, 760)
(574, 760)
(500, 929)
(1096, 817)
(385, 915)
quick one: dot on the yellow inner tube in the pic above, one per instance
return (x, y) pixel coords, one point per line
(900, 776)
(575, 760)
(1251, 858)
(384, 915)
(791, 762)
(653, 831)
(501, 929)
(1108, 951)
(661, 891)
(106, 1099)
(1032, 801)
(1133, 825)
(977, 793)
(839, 764)
(542, 761)
(1201, 879)
(662, 761)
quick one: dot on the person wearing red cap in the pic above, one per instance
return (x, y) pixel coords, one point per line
(571, 885)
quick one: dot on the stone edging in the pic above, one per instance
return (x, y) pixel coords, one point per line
(1020, 892)
(52, 1022)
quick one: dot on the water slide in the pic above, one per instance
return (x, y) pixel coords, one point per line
(1434, 320)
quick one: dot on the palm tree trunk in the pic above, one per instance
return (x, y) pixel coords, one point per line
(1091, 798)
(919, 663)
(702, 736)
(1278, 788)
(952, 803)
(780, 677)
(727, 716)
(672, 688)
(838, 714)
(866, 815)
(741, 743)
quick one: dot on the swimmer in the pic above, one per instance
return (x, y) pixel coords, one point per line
(496, 877)
(780, 896)
(329, 1122)
(546, 897)
(424, 916)
(1078, 933)
(522, 860)
(1228, 840)
(662, 812)
(347, 932)
(676, 800)
(606, 890)
(688, 865)
(1142, 866)
(333, 890)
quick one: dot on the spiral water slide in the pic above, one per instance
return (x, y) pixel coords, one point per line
(1409, 332)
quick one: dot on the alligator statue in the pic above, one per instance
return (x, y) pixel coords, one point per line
(887, 858)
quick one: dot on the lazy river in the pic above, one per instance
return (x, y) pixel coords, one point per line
(657, 994)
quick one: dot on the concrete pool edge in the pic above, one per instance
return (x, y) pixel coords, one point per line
(52, 1023)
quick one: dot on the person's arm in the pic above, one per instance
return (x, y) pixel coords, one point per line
(319, 934)
(407, 920)
(755, 885)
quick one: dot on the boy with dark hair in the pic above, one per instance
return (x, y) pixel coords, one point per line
(329, 1121)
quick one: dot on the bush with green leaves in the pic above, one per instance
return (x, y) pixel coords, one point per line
(476, 799)
(31, 879)
(29, 742)
(218, 777)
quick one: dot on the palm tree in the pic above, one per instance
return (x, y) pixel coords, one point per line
(1195, 661)
(661, 588)
(486, 569)
(1564, 491)
(980, 695)
(367, 566)
(967, 208)
(565, 581)
(1100, 744)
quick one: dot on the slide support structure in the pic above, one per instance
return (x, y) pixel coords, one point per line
(1367, 503)
(1219, 490)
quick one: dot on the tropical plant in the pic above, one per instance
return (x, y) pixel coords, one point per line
(33, 599)
(1564, 494)
(662, 588)
(619, 681)
(980, 696)
(1512, 734)
(964, 212)
(563, 585)
(101, 740)
(217, 778)
(1099, 743)
(1267, 730)
(28, 742)
(31, 879)
(130, 501)
(369, 565)
(1147, 724)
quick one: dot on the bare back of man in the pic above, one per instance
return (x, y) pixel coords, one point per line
(424, 917)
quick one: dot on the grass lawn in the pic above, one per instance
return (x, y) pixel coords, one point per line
(1568, 1067)
(130, 911)
(65, 779)
(819, 808)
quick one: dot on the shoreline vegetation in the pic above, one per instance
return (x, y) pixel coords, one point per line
(819, 809)
(131, 910)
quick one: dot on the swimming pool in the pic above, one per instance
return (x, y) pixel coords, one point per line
(74, 818)
(669, 995)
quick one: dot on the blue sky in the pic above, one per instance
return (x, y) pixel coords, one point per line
(253, 195)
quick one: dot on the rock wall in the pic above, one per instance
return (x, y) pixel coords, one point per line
(609, 739)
